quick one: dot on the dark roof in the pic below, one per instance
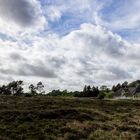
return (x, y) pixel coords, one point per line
(119, 92)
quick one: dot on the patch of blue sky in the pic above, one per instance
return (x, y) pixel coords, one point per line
(52, 2)
(48, 2)
(67, 23)
(113, 9)
(130, 34)
(70, 19)
(5, 37)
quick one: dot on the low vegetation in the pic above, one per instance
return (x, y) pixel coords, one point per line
(68, 118)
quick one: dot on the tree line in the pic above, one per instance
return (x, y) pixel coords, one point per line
(88, 91)
(17, 88)
(124, 89)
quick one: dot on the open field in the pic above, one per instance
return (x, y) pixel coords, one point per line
(51, 118)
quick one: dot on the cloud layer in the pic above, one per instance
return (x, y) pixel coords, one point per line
(21, 12)
(65, 46)
(20, 16)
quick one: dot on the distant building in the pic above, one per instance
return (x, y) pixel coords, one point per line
(128, 92)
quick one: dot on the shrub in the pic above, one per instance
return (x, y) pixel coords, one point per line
(28, 95)
(109, 95)
(101, 95)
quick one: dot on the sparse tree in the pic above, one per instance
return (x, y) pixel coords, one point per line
(125, 84)
(32, 89)
(85, 89)
(116, 88)
(103, 87)
(40, 87)
(95, 91)
(15, 88)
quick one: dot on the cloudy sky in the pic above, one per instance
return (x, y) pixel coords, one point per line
(69, 43)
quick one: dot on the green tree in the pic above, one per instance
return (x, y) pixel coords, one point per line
(4, 90)
(101, 95)
(95, 91)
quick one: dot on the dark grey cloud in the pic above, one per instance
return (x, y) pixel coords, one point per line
(88, 66)
(4, 78)
(16, 57)
(21, 12)
(30, 70)
(37, 70)
(56, 62)
(6, 71)
(119, 73)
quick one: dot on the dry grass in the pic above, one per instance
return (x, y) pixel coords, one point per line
(49, 118)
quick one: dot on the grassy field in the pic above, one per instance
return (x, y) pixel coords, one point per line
(51, 118)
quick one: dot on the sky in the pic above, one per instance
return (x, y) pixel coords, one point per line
(67, 44)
